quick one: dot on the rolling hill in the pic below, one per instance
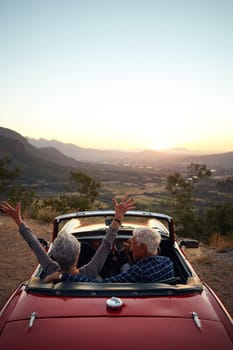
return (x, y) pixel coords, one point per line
(37, 165)
(176, 159)
(43, 161)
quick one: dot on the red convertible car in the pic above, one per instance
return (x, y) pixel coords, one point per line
(179, 313)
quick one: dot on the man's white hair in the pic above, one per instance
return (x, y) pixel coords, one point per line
(150, 237)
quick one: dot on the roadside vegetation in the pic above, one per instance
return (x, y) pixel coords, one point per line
(202, 205)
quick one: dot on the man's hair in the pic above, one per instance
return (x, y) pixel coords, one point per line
(148, 236)
(65, 249)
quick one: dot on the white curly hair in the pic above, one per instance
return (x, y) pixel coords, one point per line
(65, 250)
(150, 237)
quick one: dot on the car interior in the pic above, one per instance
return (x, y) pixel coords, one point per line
(120, 257)
(118, 261)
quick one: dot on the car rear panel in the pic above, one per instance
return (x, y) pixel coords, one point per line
(114, 332)
(141, 323)
(57, 306)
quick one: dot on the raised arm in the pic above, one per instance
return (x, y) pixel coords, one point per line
(45, 261)
(94, 267)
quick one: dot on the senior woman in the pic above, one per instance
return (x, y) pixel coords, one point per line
(66, 248)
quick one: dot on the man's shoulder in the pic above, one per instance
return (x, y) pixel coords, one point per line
(156, 259)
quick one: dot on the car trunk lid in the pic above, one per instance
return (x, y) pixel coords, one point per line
(110, 332)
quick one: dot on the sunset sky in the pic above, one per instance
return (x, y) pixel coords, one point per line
(122, 74)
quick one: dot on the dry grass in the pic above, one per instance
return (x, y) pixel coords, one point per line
(205, 259)
(221, 243)
(17, 261)
(215, 268)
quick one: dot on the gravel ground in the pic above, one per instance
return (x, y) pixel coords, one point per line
(215, 268)
(17, 262)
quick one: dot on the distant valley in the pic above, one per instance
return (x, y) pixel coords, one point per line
(176, 158)
(46, 165)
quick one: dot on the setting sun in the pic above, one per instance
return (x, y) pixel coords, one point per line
(160, 145)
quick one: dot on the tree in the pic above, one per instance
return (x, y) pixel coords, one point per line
(11, 191)
(219, 219)
(182, 189)
(84, 186)
(7, 176)
(198, 172)
(18, 193)
(225, 185)
(83, 191)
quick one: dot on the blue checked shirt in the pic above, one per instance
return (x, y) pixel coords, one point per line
(151, 269)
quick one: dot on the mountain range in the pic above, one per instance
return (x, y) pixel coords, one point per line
(36, 165)
(150, 157)
(51, 161)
